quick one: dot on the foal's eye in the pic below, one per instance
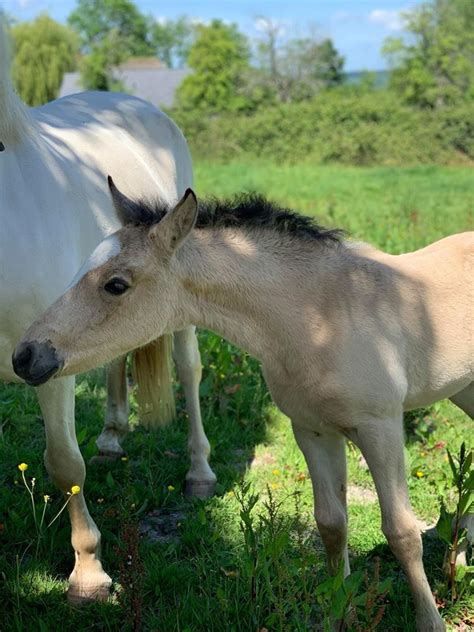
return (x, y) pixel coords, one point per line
(116, 286)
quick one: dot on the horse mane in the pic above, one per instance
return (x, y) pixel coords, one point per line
(16, 122)
(245, 211)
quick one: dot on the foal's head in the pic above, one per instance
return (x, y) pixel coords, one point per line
(123, 297)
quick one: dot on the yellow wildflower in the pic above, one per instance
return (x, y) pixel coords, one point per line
(276, 472)
(23, 467)
(170, 488)
(75, 489)
(46, 498)
(419, 474)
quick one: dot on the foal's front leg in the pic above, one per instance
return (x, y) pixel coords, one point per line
(65, 465)
(116, 416)
(200, 480)
(326, 460)
(381, 442)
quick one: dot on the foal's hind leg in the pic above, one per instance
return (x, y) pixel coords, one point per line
(200, 480)
(381, 443)
(326, 460)
(116, 416)
(65, 465)
(465, 400)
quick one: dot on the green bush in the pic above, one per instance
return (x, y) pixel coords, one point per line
(347, 126)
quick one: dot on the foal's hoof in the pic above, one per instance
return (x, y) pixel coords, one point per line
(200, 489)
(106, 457)
(82, 595)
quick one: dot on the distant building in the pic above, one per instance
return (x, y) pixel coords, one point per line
(144, 77)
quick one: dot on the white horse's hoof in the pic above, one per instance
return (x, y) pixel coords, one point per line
(200, 489)
(82, 595)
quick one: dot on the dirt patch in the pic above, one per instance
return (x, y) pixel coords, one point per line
(264, 458)
(162, 526)
(362, 495)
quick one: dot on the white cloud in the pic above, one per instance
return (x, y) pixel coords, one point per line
(267, 25)
(391, 20)
(197, 21)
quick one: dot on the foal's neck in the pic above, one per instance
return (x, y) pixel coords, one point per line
(243, 286)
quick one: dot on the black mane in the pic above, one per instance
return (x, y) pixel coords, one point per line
(246, 211)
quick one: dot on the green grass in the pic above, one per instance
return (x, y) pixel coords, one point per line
(202, 580)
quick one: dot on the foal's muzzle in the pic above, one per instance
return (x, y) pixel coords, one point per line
(35, 362)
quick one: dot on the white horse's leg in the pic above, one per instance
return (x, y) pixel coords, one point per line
(65, 465)
(116, 416)
(381, 442)
(326, 460)
(200, 480)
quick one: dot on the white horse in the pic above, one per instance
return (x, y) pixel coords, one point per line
(55, 209)
(349, 337)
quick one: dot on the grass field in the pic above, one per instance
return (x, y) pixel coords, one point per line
(220, 565)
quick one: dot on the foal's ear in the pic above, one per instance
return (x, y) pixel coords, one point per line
(177, 223)
(125, 208)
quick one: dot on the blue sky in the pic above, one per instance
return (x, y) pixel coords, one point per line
(357, 27)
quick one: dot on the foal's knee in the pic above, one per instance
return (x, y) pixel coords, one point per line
(404, 537)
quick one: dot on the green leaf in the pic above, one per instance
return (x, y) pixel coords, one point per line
(453, 468)
(109, 480)
(465, 502)
(443, 526)
(466, 464)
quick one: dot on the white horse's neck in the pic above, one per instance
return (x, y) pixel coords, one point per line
(239, 286)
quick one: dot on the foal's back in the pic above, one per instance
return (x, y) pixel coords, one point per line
(385, 332)
(433, 297)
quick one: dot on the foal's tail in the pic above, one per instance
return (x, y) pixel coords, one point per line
(152, 373)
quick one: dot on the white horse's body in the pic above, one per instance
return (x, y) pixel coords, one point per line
(47, 230)
(55, 208)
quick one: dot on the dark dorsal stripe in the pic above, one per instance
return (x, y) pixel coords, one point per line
(246, 211)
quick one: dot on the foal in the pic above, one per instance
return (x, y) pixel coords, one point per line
(349, 337)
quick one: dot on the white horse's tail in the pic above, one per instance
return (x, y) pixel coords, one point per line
(15, 119)
(152, 372)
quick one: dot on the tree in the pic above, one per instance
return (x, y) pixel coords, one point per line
(307, 66)
(220, 58)
(172, 41)
(435, 66)
(43, 50)
(110, 32)
(298, 68)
